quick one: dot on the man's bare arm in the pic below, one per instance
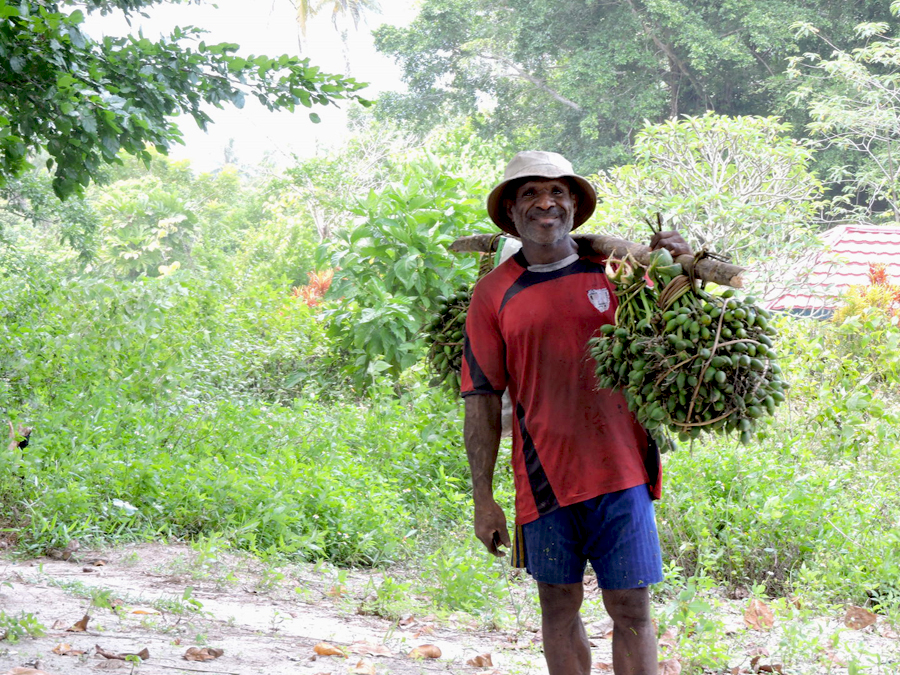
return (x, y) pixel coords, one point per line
(482, 436)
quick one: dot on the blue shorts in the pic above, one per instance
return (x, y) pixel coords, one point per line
(616, 532)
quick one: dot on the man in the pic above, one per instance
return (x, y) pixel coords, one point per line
(585, 470)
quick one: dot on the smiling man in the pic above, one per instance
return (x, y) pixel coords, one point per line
(585, 470)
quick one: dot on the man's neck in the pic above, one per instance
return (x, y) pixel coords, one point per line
(544, 254)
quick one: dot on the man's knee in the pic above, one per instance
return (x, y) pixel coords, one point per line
(628, 608)
(560, 601)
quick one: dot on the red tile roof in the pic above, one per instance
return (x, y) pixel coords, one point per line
(844, 262)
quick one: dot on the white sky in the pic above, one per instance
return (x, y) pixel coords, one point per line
(269, 27)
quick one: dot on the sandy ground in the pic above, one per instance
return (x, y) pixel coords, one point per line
(169, 598)
(262, 626)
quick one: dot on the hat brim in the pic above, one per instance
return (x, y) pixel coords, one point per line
(586, 201)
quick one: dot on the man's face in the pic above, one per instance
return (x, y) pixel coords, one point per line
(543, 211)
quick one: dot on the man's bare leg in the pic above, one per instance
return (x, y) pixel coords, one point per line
(634, 639)
(566, 646)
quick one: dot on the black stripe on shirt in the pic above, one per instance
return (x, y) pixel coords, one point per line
(652, 460)
(480, 383)
(544, 497)
(528, 279)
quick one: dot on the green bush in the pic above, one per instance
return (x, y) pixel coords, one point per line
(806, 508)
(390, 269)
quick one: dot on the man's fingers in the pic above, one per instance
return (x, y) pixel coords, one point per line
(490, 528)
(500, 538)
(672, 241)
(490, 543)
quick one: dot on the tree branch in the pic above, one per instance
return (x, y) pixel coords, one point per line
(536, 81)
(669, 52)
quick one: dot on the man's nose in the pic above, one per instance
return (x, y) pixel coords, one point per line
(545, 200)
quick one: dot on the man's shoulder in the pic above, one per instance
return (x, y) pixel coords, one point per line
(501, 277)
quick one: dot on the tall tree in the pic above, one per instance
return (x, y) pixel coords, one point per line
(853, 97)
(581, 76)
(83, 100)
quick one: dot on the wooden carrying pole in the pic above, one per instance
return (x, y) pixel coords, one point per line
(706, 269)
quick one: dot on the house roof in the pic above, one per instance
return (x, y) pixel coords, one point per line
(844, 262)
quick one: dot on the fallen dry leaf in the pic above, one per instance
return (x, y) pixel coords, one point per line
(336, 591)
(758, 615)
(65, 649)
(205, 654)
(603, 666)
(667, 640)
(602, 629)
(888, 632)
(406, 620)
(481, 661)
(770, 668)
(325, 649)
(670, 667)
(427, 629)
(23, 670)
(65, 553)
(858, 618)
(363, 668)
(367, 649)
(80, 625)
(835, 658)
(58, 624)
(144, 610)
(144, 654)
(425, 652)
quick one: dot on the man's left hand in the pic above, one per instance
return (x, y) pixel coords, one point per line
(672, 242)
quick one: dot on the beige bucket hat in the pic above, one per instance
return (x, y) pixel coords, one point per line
(540, 164)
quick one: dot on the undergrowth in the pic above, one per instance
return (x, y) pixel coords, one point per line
(163, 408)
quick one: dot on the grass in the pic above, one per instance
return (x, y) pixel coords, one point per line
(162, 410)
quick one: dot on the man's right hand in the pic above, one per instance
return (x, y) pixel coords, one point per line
(490, 527)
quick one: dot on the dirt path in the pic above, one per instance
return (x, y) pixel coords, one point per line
(231, 606)
(169, 598)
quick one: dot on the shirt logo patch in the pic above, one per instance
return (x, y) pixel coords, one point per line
(599, 298)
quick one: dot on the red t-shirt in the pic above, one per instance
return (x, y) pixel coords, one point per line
(529, 331)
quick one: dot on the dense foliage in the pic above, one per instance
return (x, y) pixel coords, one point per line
(237, 359)
(853, 97)
(581, 77)
(82, 100)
